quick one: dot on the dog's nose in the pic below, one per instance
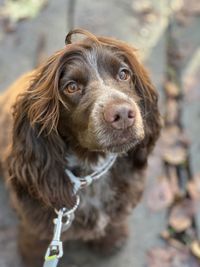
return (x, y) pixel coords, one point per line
(120, 116)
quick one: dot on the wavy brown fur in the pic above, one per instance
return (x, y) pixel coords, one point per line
(34, 142)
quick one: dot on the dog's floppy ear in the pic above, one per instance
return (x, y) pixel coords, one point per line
(148, 102)
(36, 166)
(36, 161)
(43, 98)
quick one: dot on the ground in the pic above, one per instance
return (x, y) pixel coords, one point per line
(144, 24)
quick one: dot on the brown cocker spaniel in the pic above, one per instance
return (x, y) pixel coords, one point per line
(89, 100)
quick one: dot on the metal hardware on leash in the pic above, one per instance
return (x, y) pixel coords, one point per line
(62, 222)
(82, 182)
(55, 249)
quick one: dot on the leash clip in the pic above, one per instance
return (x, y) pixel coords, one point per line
(55, 249)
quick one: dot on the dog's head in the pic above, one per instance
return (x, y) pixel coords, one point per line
(98, 87)
(96, 92)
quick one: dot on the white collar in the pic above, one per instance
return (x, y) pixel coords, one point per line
(80, 182)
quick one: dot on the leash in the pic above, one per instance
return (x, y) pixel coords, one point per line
(65, 217)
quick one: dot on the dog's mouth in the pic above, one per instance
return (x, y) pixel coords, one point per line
(118, 128)
(109, 141)
(121, 147)
(119, 143)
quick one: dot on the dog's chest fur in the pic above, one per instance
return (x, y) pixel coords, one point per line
(95, 199)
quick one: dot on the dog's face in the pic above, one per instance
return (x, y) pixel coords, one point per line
(97, 93)
(97, 85)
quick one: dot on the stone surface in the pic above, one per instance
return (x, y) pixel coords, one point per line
(18, 50)
(191, 109)
(121, 20)
(186, 33)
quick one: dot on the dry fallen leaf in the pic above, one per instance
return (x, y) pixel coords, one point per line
(166, 235)
(142, 5)
(171, 89)
(171, 257)
(160, 195)
(193, 188)
(195, 248)
(21, 9)
(175, 145)
(181, 214)
(172, 113)
(180, 223)
(193, 8)
(175, 155)
(159, 257)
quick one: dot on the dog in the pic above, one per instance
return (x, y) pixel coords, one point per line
(88, 101)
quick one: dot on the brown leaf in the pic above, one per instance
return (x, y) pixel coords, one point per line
(141, 6)
(171, 257)
(175, 243)
(172, 89)
(171, 240)
(21, 9)
(165, 234)
(193, 188)
(172, 111)
(193, 8)
(181, 215)
(175, 155)
(160, 195)
(195, 248)
(180, 223)
(159, 257)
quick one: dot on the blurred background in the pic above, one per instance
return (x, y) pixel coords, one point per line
(165, 227)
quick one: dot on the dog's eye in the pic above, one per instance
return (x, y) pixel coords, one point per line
(72, 87)
(124, 74)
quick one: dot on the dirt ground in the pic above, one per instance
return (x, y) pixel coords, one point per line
(167, 34)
